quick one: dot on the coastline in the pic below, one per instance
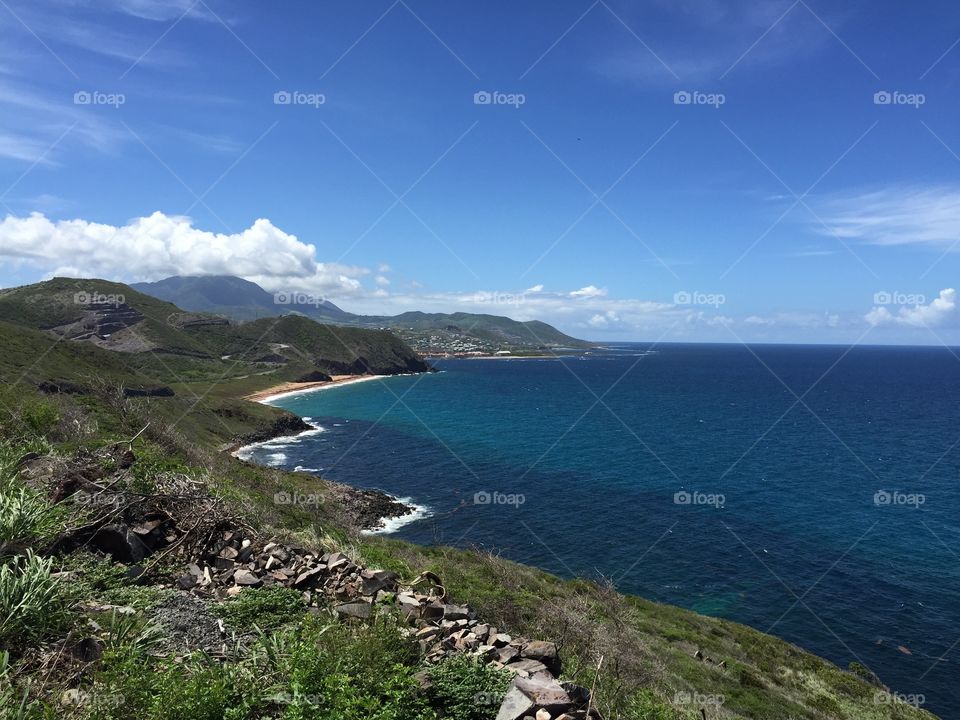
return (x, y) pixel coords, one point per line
(289, 389)
(375, 512)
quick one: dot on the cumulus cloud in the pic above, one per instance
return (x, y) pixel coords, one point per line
(604, 320)
(590, 291)
(535, 289)
(159, 245)
(942, 310)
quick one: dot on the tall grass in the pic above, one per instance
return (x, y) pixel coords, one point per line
(32, 603)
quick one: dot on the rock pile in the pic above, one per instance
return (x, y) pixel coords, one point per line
(443, 629)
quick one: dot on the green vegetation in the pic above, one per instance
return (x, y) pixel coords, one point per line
(86, 639)
(268, 608)
(317, 669)
(465, 689)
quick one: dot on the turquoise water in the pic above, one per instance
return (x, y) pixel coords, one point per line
(811, 492)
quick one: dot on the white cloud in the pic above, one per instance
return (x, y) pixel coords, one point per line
(382, 281)
(942, 310)
(149, 248)
(535, 289)
(900, 215)
(590, 291)
(604, 320)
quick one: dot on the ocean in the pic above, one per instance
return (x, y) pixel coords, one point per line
(812, 492)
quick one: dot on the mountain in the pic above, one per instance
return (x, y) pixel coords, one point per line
(243, 300)
(150, 332)
(493, 329)
(235, 297)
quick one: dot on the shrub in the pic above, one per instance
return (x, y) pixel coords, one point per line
(263, 607)
(464, 689)
(312, 671)
(107, 581)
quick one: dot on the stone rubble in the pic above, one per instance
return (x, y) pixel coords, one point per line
(441, 628)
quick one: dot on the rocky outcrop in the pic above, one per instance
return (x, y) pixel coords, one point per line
(61, 387)
(361, 366)
(315, 376)
(161, 391)
(286, 424)
(442, 628)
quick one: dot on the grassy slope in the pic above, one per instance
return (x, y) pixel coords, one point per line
(645, 645)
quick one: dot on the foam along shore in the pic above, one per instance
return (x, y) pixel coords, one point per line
(377, 512)
(387, 524)
(289, 389)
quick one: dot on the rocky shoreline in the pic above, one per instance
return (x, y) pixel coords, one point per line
(367, 510)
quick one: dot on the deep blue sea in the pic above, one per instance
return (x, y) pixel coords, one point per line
(810, 492)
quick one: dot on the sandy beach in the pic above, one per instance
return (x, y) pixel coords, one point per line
(295, 388)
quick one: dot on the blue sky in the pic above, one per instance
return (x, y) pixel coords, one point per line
(787, 201)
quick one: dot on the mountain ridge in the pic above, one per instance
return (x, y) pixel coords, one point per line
(243, 300)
